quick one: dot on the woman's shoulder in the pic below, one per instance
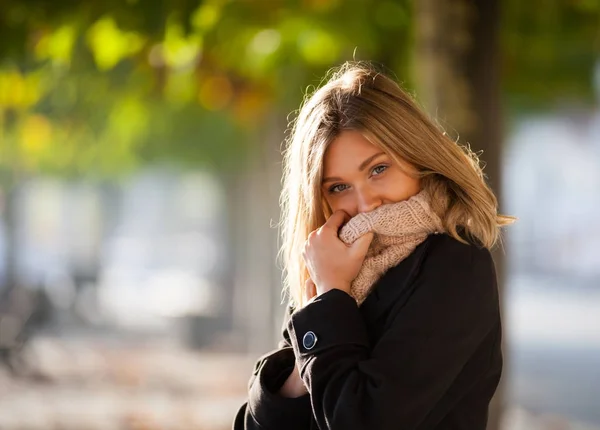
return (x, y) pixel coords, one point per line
(442, 247)
(448, 258)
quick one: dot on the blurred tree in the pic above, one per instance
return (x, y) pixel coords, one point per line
(549, 51)
(458, 49)
(135, 81)
(97, 88)
(115, 83)
(542, 53)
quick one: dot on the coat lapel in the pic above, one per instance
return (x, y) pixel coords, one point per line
(388, 293)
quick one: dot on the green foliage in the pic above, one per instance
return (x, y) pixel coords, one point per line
(98, 87)
(549, 50)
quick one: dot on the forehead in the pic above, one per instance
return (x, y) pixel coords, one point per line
(347, 151)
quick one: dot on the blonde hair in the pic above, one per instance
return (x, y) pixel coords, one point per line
(358, 97)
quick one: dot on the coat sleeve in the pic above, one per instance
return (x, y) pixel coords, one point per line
(265, 408)
(396, 383)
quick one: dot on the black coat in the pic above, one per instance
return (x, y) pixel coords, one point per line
(422, 351)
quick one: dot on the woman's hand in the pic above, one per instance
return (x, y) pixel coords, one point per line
(309, 293)
(293, 385)
(330, 262)
(334, 265)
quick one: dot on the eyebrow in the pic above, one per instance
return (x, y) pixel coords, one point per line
(362, 167)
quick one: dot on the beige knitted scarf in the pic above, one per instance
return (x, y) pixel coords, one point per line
(398, 229)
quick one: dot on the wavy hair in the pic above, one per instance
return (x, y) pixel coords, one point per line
(358, 97)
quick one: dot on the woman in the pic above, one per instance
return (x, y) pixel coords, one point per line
(387, 231)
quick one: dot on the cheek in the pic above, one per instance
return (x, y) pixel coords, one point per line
(333, 203)
(343, 202)
(399, 187)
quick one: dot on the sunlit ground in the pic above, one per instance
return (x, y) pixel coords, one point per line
(87, 379)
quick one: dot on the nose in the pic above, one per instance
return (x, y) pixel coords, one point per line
(367, 200)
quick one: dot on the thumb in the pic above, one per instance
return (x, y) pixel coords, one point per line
(361, 245)
(335, 221)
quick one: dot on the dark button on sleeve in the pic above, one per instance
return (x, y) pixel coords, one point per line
(309, 340)
(332, 320)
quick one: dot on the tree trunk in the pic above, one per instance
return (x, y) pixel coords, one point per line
(255, 203)
(457, 74)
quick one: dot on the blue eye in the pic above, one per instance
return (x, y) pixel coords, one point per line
(337, 188)
(378, 170)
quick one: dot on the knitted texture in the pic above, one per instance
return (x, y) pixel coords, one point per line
(398, 229)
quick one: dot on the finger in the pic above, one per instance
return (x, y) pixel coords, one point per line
(336, 220)
(306, 292)
(361, 246)
(310, 290)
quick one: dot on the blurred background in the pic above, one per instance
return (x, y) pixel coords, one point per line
(140, 169)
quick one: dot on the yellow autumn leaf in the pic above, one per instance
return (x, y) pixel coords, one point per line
(110, 45)
(35, 137)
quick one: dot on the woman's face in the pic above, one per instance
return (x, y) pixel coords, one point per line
(359, 177)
